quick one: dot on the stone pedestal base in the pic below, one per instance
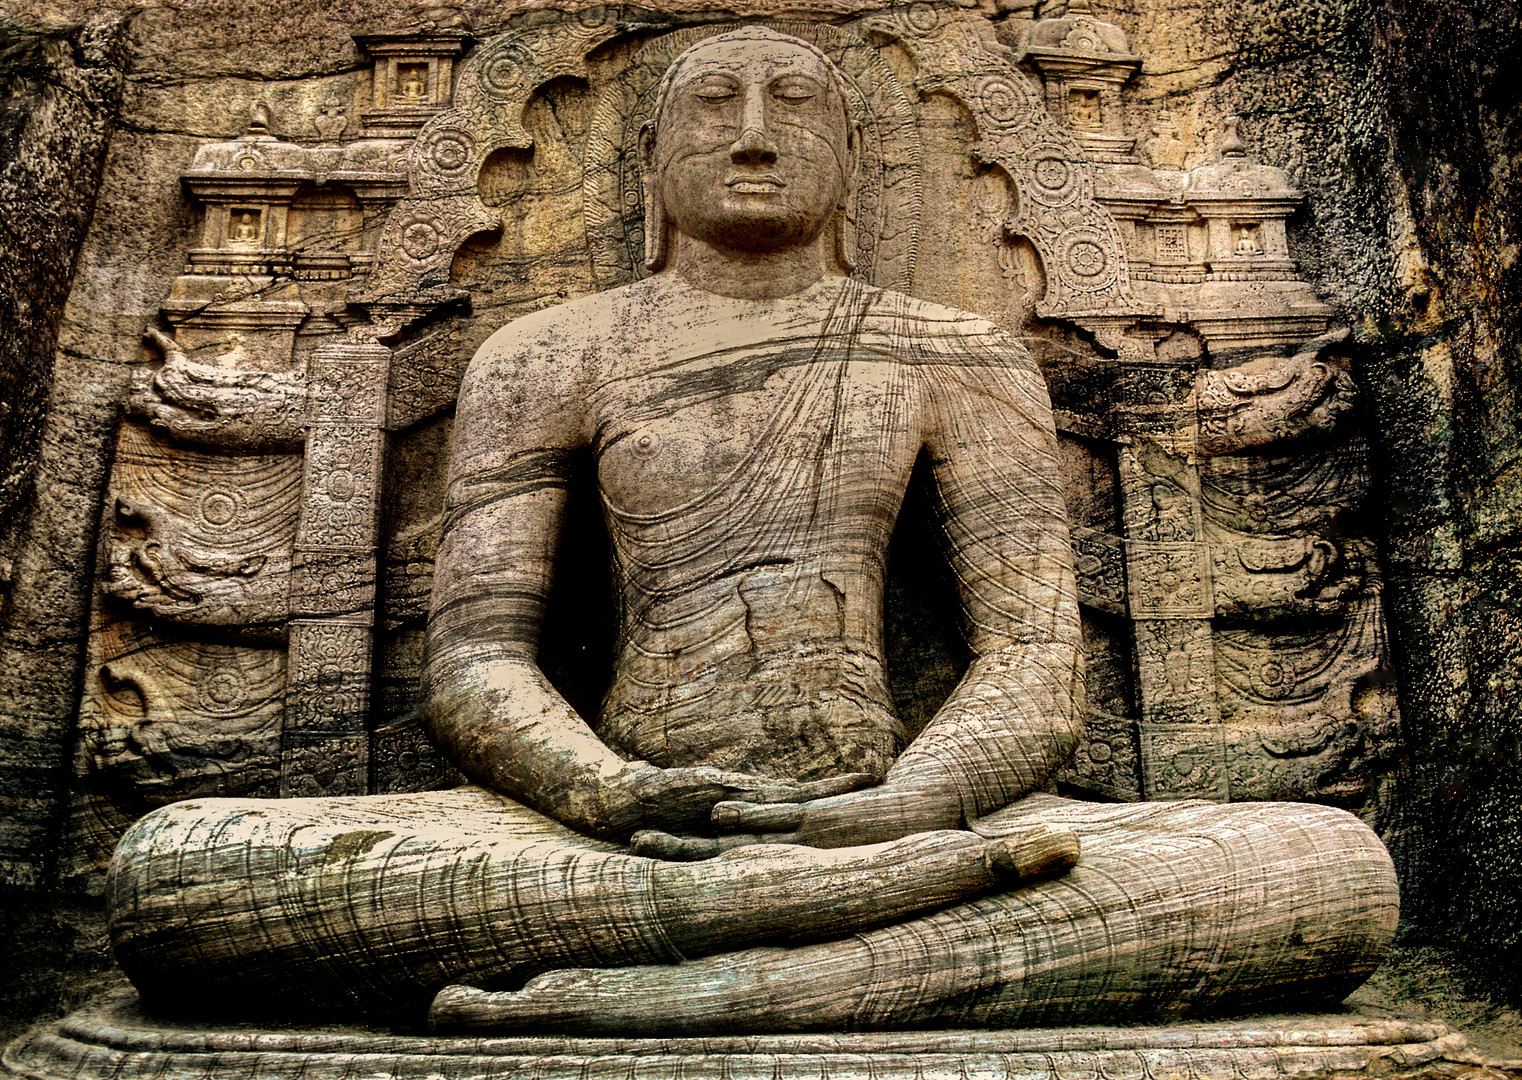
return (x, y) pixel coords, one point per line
(113, 1038)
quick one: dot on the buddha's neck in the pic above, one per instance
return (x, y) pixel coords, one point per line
(749, 275)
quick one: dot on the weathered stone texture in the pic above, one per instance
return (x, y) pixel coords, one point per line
(1445, 360)
(61, 89)
(1398, 118)
(56, 958)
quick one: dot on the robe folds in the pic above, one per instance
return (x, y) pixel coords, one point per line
(752, 461)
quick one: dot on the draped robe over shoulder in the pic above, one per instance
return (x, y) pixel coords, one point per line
(752, 632)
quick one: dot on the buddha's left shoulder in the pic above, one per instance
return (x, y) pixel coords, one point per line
(923, 330)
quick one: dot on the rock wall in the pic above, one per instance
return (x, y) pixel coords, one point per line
(1400, 119)
(61, 89)
(1397, 118)
(1444, 359)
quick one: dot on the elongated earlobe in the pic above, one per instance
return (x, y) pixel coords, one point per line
(845, 235)
(845, 228)
(655, 208)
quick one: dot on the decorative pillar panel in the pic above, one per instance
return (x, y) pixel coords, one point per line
(1168, 577)
(325, 747)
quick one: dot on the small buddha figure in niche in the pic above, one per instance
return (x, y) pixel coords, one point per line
(1083, 109)
(1247, 242)
(413, 83)
(246, 231)
(747, 837)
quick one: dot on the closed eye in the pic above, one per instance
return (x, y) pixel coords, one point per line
(795, 89)
(715, 90)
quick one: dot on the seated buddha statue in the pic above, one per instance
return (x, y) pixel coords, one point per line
(747, 837)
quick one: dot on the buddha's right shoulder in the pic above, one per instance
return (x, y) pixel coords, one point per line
(572, 327)
(560, 345)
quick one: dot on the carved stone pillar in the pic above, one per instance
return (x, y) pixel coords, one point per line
(325, 747)
(1169, 590)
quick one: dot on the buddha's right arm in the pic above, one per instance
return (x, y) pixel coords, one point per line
(485, 701)
(522, 417)
(508, 729)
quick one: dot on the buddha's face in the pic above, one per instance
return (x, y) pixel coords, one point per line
(753, 146)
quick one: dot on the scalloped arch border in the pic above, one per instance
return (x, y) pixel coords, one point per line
(1080, 246)
(443, 207)
(1088, 277)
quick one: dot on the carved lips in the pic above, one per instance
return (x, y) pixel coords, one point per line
(761, 184)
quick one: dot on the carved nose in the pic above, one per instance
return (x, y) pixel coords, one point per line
(753, 148)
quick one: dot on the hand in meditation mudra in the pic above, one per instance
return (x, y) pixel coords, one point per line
(747, 838)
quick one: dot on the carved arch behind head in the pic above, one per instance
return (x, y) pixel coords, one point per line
(443, 207)
(1077, 239)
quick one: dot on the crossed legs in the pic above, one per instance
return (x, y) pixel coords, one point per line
(1173, 908)
(377, 902)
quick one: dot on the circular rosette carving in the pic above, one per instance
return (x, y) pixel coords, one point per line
(1003, 105)
(921, 18)
(419, 238)
(219, 507)
(222, 692)
(448, 154)
(1083, 38)
(1055, 179)
(887, 200)
(1088, 262)
(502, 72)
(341, 486)
(1275, 680)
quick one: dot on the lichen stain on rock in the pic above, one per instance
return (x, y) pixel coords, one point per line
(351, 845)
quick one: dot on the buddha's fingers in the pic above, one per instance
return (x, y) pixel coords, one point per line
(1032, 852)
(1037, 852)
(462, 1008)
(765, 817)
(797, 792)
(654, 844)
(781, 892)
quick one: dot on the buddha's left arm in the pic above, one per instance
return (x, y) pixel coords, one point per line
(1014, 717)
